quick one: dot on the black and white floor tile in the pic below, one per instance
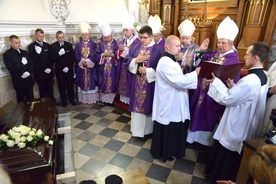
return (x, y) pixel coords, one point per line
(103, 145)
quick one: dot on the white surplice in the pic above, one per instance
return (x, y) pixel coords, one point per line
(271, 101)
(245, 106)
(171, 101)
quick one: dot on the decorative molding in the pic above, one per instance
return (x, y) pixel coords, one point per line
(60, 9)
(213, 3)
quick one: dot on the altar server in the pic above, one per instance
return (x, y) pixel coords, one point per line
(245, 105)
(170, 112)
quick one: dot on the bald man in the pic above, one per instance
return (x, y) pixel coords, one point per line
(171, 113)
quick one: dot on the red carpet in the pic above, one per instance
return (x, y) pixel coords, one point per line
(120, 104)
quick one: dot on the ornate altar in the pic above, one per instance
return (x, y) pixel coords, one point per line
(32, 164)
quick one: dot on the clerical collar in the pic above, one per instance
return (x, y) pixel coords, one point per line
(170, 56)
(109, 43)
(86, 41)
(129, 40)
(228, 52)
(150, 44)
(259, 71)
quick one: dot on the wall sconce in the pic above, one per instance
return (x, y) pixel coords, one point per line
(144, 2)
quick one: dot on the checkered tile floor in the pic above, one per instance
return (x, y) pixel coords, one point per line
(103, 145)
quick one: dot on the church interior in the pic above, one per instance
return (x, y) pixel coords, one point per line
(95, 139)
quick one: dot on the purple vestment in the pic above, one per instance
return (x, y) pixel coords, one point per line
(86, 79)
(142, 92)
(107, 67)
(189, 51)
(205, 112)
(124, 77)
(162, 43)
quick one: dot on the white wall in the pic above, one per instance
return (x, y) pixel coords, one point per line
(92, 11)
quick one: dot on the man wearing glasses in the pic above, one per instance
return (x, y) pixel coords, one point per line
(142, 61)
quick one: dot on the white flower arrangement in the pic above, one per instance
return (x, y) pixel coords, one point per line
(21, 135)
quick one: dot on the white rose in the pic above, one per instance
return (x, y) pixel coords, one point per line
(23, 139)
(50, 142)
(16, 129)
(39, 132)
(4, 137)
(10, 132)
(15, 135)
(32, 133)
(17, 140)
(24, 131)
(10, 143)
(29, 138)
(21, 145)
(46, 138)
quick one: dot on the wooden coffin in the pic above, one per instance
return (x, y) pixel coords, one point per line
(32, 164)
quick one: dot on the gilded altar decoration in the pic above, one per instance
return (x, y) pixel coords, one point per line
(60, 9)
(22, 135)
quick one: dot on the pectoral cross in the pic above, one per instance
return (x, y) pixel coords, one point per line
(32, 104)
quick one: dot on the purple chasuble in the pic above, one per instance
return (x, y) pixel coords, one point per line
(206, 112)
(142, 92)
(162, 43)
(124, 77)
(87, 78)
(189, 51)
(107, 67)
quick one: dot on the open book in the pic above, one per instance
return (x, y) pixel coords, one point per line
(221, 71)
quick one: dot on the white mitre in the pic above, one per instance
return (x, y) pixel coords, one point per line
(105, 29)
(84, 27)
(227, 29)
(155, 24)
(128, 21)
(186, 28)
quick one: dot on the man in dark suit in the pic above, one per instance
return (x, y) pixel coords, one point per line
(43, 65)
(20, 66)
(64, 58)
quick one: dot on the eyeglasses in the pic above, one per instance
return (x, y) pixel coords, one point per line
(143, 37)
